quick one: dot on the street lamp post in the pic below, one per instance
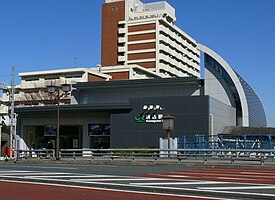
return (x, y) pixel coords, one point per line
(58, 92)
(168, 126)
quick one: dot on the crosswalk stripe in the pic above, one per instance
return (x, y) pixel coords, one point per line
(258, 173)
(13, 171)
(235, 178)
(113, 179)
(72, 176)
(176, 176)
(212, 191)
(32, 173)
(181, 183)
(238, 187)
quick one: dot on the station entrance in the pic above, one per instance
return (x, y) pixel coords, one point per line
(36, 137)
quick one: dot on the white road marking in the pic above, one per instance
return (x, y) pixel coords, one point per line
(187, 189)
(176, 176)
(14, 174)
(54, 178)
(13, 171)
(181, 183)
(73, 176)
(83, 180)
(97, 181)
(113, 179)
(45, 167)
(211, 191)
(258, 173)
(242, 193)
(215, 174)
(238, 188)
(232, 178)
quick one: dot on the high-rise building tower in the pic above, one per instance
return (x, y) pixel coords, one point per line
(135, 33)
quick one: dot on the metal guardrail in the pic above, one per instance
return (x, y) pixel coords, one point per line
(37, 153)
(231, 156)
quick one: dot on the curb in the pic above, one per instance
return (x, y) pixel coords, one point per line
(143, 163)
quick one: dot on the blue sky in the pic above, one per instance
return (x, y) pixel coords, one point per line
(50, 34)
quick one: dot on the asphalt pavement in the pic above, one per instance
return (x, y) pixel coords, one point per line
(164, 181)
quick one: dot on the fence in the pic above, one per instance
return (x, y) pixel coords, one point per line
(228, 141)
(36, 153)
(230, 156)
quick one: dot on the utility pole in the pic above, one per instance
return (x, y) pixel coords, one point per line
(3, 86)
(12, 112)
(0, 140)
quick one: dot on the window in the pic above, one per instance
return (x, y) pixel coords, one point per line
(99, 130)
(114, 8)
(99, 135)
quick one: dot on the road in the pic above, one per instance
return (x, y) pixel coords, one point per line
(75, 181)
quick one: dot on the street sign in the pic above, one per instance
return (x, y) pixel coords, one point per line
(3, 86)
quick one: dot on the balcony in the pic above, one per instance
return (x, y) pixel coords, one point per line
(121, 31)
(3, 110)
(121, 59)
(121, 40)
(121, 49)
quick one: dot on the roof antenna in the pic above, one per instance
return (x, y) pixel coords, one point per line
(75, 61)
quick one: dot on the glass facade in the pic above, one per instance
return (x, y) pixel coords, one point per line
(257, 117)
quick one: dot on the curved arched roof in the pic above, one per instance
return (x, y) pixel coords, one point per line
(253, 113)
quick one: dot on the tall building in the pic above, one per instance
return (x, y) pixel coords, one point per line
(135, 33)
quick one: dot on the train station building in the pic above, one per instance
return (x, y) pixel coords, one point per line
(149, 68)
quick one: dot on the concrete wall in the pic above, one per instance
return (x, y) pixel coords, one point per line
(222, 115)
(191, 118)
(122, 91)
(217, 87)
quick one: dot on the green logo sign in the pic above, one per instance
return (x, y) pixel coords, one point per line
(150, 114)
(139, 118)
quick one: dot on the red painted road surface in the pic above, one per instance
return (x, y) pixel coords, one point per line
(23, 191)
(225, 175)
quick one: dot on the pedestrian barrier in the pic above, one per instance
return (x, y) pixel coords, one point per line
(230, 156)
(37, 154)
